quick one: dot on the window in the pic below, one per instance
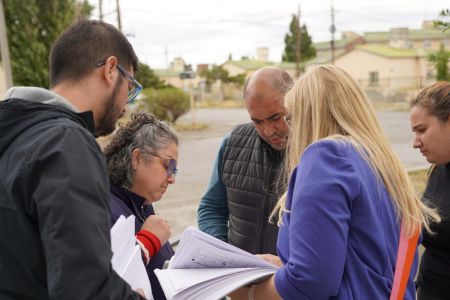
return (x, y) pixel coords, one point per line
(374, 79)
(446, 43)
(427, 44)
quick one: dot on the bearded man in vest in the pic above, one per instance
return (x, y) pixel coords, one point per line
(245, 183)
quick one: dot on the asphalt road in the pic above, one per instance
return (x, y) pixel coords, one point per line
(198, 151)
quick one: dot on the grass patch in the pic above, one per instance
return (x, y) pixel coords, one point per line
(419, 179)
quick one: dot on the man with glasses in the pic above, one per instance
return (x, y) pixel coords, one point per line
(54, 188)
(244, 187)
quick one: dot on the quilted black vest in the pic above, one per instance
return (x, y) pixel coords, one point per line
(250, 170)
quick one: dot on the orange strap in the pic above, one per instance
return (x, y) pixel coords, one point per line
(405, 257)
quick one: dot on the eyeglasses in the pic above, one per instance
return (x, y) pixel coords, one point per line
(172, 167)
(134, 87)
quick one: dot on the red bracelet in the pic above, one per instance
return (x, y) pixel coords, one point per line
(150, 241)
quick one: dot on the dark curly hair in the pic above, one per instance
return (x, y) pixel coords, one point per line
(144, 132)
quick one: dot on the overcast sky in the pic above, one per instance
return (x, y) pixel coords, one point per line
(207, 31)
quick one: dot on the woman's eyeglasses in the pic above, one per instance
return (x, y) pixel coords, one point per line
(171, 167)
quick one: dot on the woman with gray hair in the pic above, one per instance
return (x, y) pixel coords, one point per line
(142, 161)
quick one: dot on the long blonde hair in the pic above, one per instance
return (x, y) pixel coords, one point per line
(326, 103)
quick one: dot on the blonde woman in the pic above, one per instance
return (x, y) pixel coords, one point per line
(348, 195)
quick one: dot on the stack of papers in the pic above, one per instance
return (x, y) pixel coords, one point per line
(204, 267)
(127, 260)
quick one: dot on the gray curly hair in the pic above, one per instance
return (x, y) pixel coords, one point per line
(143, 132)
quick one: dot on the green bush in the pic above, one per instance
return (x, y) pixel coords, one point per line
(167, 104)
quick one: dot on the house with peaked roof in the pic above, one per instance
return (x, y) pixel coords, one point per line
(382, 66)
(179, 74)
(347, 43)
(396, 59)
(428, 37)
(248, 67)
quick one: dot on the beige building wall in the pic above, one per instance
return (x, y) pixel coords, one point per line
(173, 80)
(396, 73)
(182, 83)
(431, 44)
(232, 69)
(178, 64)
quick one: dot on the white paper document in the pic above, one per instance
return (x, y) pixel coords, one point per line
(204, 267)
(127, 260)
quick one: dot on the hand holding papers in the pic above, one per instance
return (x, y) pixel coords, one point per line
(126, 260)
(207, 268)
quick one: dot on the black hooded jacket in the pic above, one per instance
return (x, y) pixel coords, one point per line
(54, 206)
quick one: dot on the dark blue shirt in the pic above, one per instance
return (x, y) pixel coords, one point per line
(126, 203)
(339, 238)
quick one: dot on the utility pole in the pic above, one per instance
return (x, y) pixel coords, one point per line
(100, 9)
(4, 48)
(298, 51)
(166, 58)
(332, 30)
(119, 22)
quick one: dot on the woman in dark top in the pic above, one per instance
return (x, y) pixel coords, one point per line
(430, 121)
(142, 161)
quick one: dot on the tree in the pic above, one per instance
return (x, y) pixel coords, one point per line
(215, 73)
(444, 23)
(32, 28)
(167, 103)
(238, 79)
(440, 60)
(307, 50)
(147, 77)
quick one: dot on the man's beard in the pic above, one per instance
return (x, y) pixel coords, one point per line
(281, 139)
(107, 122)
